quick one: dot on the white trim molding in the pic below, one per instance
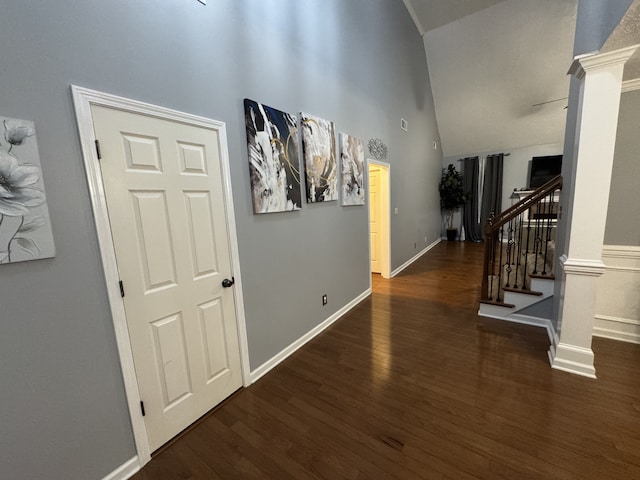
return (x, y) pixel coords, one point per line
(535, 322)
(617, 328)
(617, 306)
(584, 63)
(577, 266)
(127, 470)
(83, 99)
(414, 258)
(279, 357)
(573, 359)
(631, 85)
(620, 251)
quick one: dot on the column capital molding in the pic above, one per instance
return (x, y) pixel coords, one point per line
(580, 266)
(583, 64)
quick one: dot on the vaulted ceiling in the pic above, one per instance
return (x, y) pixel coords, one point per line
(430, 14)
(626, 34)
(498, 70)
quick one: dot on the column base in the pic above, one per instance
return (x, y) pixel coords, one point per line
(572, 359)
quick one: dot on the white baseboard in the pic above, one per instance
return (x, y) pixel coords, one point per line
(631, 85)
(617, 312)
(629, 252)
(553, 336)
(279, 357)
(537, 322)
(126, 470)
(524, 319)
(573, 359)
(533, 321)
(617, 328)
(414, 258)
(554, 340)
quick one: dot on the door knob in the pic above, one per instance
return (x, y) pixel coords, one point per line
(226, 283)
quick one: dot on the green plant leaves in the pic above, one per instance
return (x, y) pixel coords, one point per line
(451, 188)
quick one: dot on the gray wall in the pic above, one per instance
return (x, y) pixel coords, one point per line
(597, 19)
(541, 309)
(623, 216)
(359, 62)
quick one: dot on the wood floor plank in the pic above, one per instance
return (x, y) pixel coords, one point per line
(412, 384)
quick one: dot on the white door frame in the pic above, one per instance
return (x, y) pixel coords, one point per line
(385, 217)
(83, 99)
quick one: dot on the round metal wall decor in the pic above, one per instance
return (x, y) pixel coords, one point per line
(377, 149)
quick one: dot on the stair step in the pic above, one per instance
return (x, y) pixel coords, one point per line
(548, 276)
(497, 304)
(521, 290)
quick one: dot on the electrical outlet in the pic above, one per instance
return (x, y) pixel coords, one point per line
(425, 239)
(324, 299)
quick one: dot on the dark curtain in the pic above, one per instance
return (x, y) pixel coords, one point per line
(492, 189)
(470, 220)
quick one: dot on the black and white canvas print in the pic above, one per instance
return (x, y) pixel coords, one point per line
(25, 227)
(352, 167)
(274, 165)
(320, 166)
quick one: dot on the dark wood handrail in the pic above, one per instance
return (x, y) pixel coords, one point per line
(495, 222)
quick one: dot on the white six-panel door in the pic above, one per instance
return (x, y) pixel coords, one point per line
(164, 194)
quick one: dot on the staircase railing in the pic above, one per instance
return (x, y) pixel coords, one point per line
(519, 244)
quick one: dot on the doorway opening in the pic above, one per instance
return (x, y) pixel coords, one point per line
(379, 217)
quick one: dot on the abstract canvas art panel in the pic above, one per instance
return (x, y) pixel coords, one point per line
(274, 164)
(25, 226)
(318, 151)
(352, 168)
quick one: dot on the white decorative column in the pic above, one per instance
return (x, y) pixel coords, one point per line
(600, 79)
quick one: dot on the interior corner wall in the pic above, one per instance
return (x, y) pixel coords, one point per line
(623, 216)
(359, 63)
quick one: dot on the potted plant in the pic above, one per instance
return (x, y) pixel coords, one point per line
(452, 196)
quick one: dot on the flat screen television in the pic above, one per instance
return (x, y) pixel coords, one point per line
(544, 169)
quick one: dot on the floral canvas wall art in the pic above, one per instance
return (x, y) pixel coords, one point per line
(25, 227)
(352, 168)
(274, 165)
(318, 151)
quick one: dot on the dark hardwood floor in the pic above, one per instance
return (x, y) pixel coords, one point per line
(413, 384)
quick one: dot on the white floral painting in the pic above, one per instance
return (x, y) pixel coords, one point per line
(25, 227)
(352, 167)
